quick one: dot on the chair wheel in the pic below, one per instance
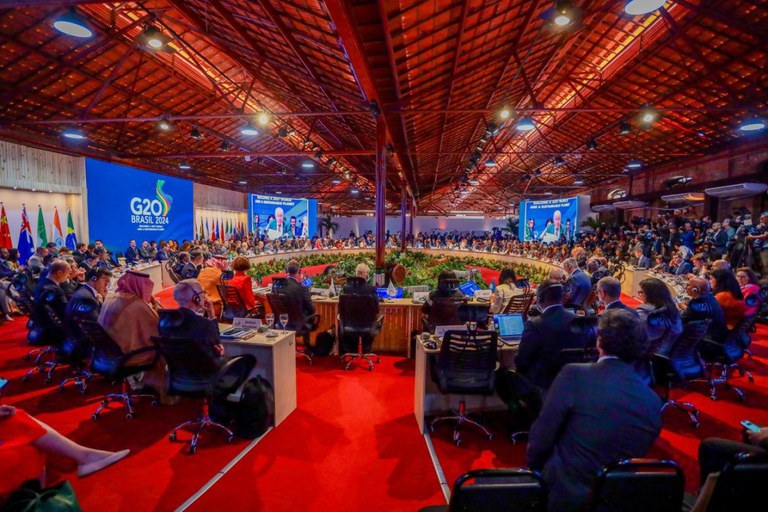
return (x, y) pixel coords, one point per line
(751, 379)
(172, 437)
(230, 439)
(490, 437)
(25, 378)
(154, 403)
(129, 416)
(95, 416)
(192, 450)
(370, 369)
(457, 442)
(61, 389)
(713, 398)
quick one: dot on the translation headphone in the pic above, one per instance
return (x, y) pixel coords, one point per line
(196, 298)
(694, 289)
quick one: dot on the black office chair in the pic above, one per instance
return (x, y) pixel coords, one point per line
(739, 486)
(499, 490)
(193, 372)
(466, 364)
(359, 317)
(170, 267)
(680, 366)
(659, 329)
(73, 352)
(442, 311)
(519, 304)
(23, 284)
(638, 485)
(303, 325)
(109, 361)
(722, 359)
(51, 336)
(232, 305)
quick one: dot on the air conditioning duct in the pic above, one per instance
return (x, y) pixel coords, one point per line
(628, 205)
(688, 197)
(737, 191)
(597, 208)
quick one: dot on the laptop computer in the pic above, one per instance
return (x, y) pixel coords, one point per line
(510, 327)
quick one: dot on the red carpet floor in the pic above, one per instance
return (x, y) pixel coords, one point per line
(679, 441)
(352, 444)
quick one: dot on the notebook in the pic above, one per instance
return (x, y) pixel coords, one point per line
(509, 327)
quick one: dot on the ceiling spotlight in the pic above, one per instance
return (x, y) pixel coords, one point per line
(263, 118)
(307, 164)
(72, 24)
(474, 181)
(307, 142)
(563, 14)
(648, 114)
(249, 130)
(591, 144)
(319, 155)
(753, 124)
(242, 182)
(624, 127)
(637, 7)
(558, 162)
(184, 165)
(490, 162)
(354, 191)
(548, 193)
(164, 125)
(578, 182)
(153, 40)
(525, 124)
(505, 114)
(335, 181)
(225, 146)
(73, 134)
(537, 173)
(280, 192)
(196, 134)
(634, 164)
(282, 132)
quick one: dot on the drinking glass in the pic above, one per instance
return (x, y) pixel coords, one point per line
(270, 319)
(283, 321)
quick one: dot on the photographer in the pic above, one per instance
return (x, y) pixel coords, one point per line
(758, 236)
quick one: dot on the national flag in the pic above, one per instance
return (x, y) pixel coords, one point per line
(26, 244)
(5, 230)
(221, 230)
(212, 230)
(42, 237)
(201, 234)
(58, 234)
(71, 236)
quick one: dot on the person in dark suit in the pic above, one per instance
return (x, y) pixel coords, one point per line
(544, 336)
(47, 291)
(578, 284)
(704, 306)
(609, 293)
(643, 261)
(199, 320)
(132, 254)
(359, 286)
(295, 290)
(595, 414)
(192, 268)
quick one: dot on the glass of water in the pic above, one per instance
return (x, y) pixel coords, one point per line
(283, 321)
(270, 319)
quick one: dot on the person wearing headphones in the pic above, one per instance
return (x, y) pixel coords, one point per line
(704, 306)
(93, 290)
(199, 323)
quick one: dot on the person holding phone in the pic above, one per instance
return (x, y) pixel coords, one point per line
(715, 452)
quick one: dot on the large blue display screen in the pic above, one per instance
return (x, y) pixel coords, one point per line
(553, 220)
(277, 216)
(129, 204)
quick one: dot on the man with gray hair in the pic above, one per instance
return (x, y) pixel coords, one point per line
(359, 285)
(198, 322)
(578, 284)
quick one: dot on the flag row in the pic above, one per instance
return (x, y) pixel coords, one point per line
(26, 244)
(220, 229)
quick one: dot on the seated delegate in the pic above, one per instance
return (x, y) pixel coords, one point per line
(704, 306)
(445, 290)
(727, 291)
(243, 282)
(655, 296)
(506, 290)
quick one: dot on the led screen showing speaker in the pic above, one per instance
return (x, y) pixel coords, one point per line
(277, 216)
(550, 221)
(131, 204)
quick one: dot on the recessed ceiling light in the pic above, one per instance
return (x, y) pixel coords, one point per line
(249, 130)
(648, 114)
(335, 181)
(505, 114)
(73, 134)
(753, 124)
(184, 165)
(525, 124)
(164, 125)
(242, 182)
(637, 7)
(72, 24)
(634, 164)
(263, 118)
(308, 164)
(578, 182)
(354, 191)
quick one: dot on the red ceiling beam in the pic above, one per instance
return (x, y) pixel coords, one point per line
(254, 154)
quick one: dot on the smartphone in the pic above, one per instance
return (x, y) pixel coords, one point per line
(750, 426)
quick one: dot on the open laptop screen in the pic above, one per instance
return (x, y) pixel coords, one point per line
(509, 326)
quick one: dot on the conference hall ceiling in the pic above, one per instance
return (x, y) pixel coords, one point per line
(452, 84)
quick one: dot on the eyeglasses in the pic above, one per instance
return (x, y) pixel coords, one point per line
(742, 276)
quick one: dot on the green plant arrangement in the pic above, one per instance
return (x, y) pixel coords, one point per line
(423, 269)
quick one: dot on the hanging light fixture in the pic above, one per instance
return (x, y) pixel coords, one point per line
(648, 114)
(153, 40)
(249, 130)
(164, 125)
(525, 124)
(308, 164)
(490, 162)
(559, 161)
(638, 7)
(72, 24)
(505, 113)
(184, 165)
(752, 124)
(196, 134)
(73, 134)
(634, 164)
(263, 118)
(624, 127)
(591, 144)
(563, 15)
(578, 182)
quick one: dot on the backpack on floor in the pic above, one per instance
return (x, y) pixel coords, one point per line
(324, 342)
(255, 412)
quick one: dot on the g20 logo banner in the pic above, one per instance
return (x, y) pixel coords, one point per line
(126, 203)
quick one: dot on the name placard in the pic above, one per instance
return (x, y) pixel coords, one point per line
(483, 294)
(246, 323)
(420, 296)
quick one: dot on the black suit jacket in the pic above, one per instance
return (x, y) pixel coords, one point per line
(189, 271)
(579, 286)
(131, 255)
(59, 304)
(82, 294)
(706, 307)
(644, 262)
(543, 338)
(200, 330)
(594, 414)
(620, 305)
(365, 289)
(298, 293)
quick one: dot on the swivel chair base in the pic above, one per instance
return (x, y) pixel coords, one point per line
(80, 378)
(38, 354)
(723, 379)
(126, 397)
(305, 353)
(351, 356)
(516, 436)
(460, 418)
(202, 422)
(47, 367)
(686, 407)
